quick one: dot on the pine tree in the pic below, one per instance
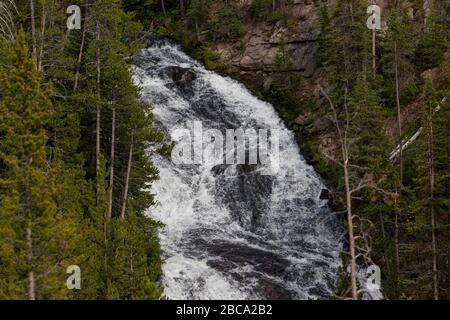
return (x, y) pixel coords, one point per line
(397, 47)
(325, 39)
(134, 278)
(91, 82)
(430, 190)
(348, 49)
(38, 235)
(434, 43)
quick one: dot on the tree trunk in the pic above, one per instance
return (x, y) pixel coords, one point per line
(111, 173)
(350, 231)
(41, 46)
(105, 253)
(344, 142)
(97, 129)
(127, 181)
(396, 240)
(374, 53)
(399, 123)
(31, 277)
(80, 53)
(197, 29)
(33, 28)
(432, 210)
(163, 7)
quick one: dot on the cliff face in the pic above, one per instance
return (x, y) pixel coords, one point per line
(254, 58)
(255, 54)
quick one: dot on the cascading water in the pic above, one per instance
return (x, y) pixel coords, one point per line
(231, 232)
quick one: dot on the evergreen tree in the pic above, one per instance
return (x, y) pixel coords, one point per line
(429, 221)
(38, 233)
(349, 43)
(434, 43)
(71, 146)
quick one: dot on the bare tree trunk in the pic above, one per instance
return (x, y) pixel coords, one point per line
(350, 231)
(31, 276)
(97, 129)
(131, 262)
(111, 173)
(80, 57)
(127, 180)
(197, 29)
(396, 240)
(33, 28)
(105, 254)
(432, 210)
(163, 7)
(182, 7)
(97, 158)
(80, 53)
(41, 46)
(343, 139)
(399, 122)
(383, 233)
(374, 53)
(427, 5)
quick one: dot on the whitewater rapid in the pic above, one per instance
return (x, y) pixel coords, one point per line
(231, 232)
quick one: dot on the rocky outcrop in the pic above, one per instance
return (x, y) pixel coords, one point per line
(254, 56)
(254, 59)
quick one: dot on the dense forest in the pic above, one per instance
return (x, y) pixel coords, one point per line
(75, 165)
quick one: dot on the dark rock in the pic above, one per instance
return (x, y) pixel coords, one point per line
(325, 194)
(300, 120)
(245, 194)
(179, 74)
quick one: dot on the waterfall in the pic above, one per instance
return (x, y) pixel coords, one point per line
(230, 231)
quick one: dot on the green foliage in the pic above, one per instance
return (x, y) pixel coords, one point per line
(261, 9)
(271, 10)
(398, 46)
(285, 79)
(434, 43)
(53, 198)
(39, 233)
(345, 46)
(233, 29)
(325, 39)
(363, 103)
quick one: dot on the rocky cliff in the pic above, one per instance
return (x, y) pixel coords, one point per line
(254, 60)
(254, 56)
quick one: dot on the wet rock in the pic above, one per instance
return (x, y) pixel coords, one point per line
(300, 120)
(325, 194)
(245, 194)
(274, 291)
(233, 255)
(309, 202)
(179, 74)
